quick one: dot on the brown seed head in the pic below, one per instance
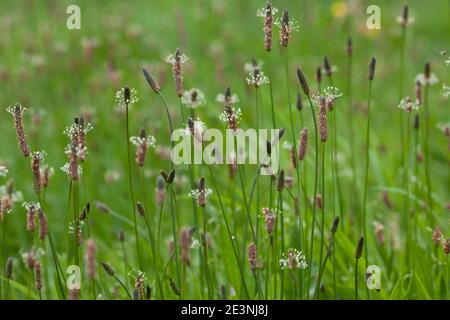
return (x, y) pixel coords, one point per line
(108, 269)
(373, 61)
(17, 112)
(327, 66)
(9, 268)
(349, 46)
(299, 102)
(285, 29)
(335, 225)
(174, 287)
(359, 248)
(303, 82)
(151, 81)
(427, 70)
(43, 226)
(280, 181)
(140, 209)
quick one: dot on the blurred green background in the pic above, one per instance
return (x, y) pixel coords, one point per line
(61, 73)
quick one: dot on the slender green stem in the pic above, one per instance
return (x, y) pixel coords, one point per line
(316, 178)
(356, 279)
(353, 162)
(130, 182)
(230, 235)
(124, 287)
(75, 199)
(246, 204)
(366, 174)
(280, 201)
(426, 107)
(322, 225)
(205, 253)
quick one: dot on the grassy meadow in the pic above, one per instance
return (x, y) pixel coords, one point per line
(368, 185)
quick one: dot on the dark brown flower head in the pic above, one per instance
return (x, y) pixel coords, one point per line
(293, 157)
(349, 46)
(285, 32)
(17, 111)
(299, 102)
(335, 225)
(327, 66)
(43, 224)
(140, 209)
(319, 75)
(418, 92)
(174, 287)
(359, 248)
(151, 80)
(427, 70)
(280, 181)
(9, 268)
(373, 61)
(416, 121)
(108, 269)
(303, 82)
(126, 95)
(303, 144)
(36, 159)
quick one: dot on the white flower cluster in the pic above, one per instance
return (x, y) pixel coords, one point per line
(22, 109)
(193, 98)
(75, 129)
(295, 260)
(408, 105)
(66, 168)
(257, 78)
(150, 141)
(73, 226)
(262, 12)
(330, 95)
(31, 205)
(424, 81)
(292, 24)
(236, 115)
(172, 58)
(3, 171)
(195, 193)
(120, 97)
(222, 98)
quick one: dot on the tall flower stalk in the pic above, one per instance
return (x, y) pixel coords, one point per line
(126, 97)
(305, 87)
(366, 171)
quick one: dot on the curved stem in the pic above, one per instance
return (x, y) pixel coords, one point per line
(130, 182)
